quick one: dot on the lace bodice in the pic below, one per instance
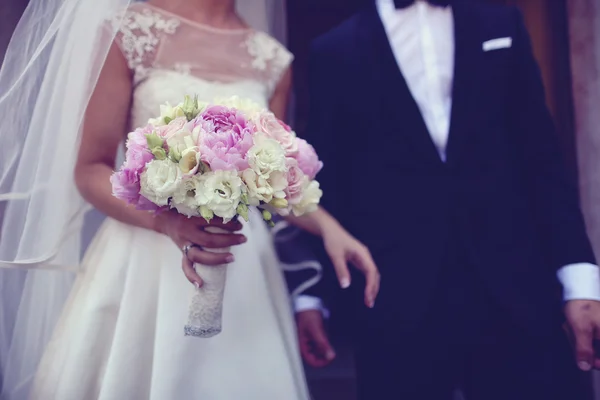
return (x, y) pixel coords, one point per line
(170, 56)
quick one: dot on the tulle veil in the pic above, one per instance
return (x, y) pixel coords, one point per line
(49, 71)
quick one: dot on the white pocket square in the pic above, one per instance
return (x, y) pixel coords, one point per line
(495, 44)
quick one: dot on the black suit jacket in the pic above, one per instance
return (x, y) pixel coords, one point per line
(503, 191)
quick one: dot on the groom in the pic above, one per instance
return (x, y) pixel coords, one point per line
(441, 157)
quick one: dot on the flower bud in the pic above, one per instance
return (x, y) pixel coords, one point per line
(267, 215)
(206, 213)
(242, 210)
(279, 203)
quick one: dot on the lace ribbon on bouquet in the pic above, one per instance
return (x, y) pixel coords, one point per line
(206, 305)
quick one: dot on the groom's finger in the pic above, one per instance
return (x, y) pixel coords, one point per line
(584, 346)
(190, 273)
(314, 344)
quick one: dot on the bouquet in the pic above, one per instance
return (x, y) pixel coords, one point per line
(217, 159)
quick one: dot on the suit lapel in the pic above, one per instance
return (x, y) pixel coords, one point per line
(390, 93)
(467, 56)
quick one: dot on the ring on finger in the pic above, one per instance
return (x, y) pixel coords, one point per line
(188, 246)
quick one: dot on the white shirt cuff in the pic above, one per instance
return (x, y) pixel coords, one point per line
(580, 281)
(304, 303)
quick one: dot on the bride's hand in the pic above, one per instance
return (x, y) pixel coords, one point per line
(343, 248)
(190, 231)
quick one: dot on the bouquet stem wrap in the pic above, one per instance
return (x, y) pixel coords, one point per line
(206, 306)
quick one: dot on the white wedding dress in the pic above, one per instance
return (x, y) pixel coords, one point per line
(120, 336)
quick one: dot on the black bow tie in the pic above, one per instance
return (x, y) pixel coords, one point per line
(406, 3)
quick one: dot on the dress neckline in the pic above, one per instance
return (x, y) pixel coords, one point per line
(198, 24)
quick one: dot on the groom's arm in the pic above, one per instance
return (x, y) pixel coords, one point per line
(554, 192)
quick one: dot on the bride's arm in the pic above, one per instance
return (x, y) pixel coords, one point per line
(317, 223)
(342, 248)
(105, 126)
(279, 101)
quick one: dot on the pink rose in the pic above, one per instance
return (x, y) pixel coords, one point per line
(225, 138)
(138, 154)
(172, 128)
(275, 129)
(297, 181)
(308, 160)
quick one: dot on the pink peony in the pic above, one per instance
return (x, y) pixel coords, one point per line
(126, 187)
(275, 129)
(297, 181)
(138, 154)
(225, 138)
(308, 160)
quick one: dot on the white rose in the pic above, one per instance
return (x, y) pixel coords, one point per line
(167, 113)
(266, 156)
(310, 199)
(159, 181)
(264, 190)
(184, 198)
(220, 192)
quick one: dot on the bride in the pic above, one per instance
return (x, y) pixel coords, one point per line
(120, 333)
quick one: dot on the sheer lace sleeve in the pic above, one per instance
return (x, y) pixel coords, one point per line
(269, 57)
(139, 32)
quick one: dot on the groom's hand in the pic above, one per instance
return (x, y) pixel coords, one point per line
(583, 317)
(314, 344)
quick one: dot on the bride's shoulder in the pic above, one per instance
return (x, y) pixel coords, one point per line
(261, 43)
(267, 53)
(138, 31)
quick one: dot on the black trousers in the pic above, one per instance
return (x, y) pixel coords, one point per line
(465, 341)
